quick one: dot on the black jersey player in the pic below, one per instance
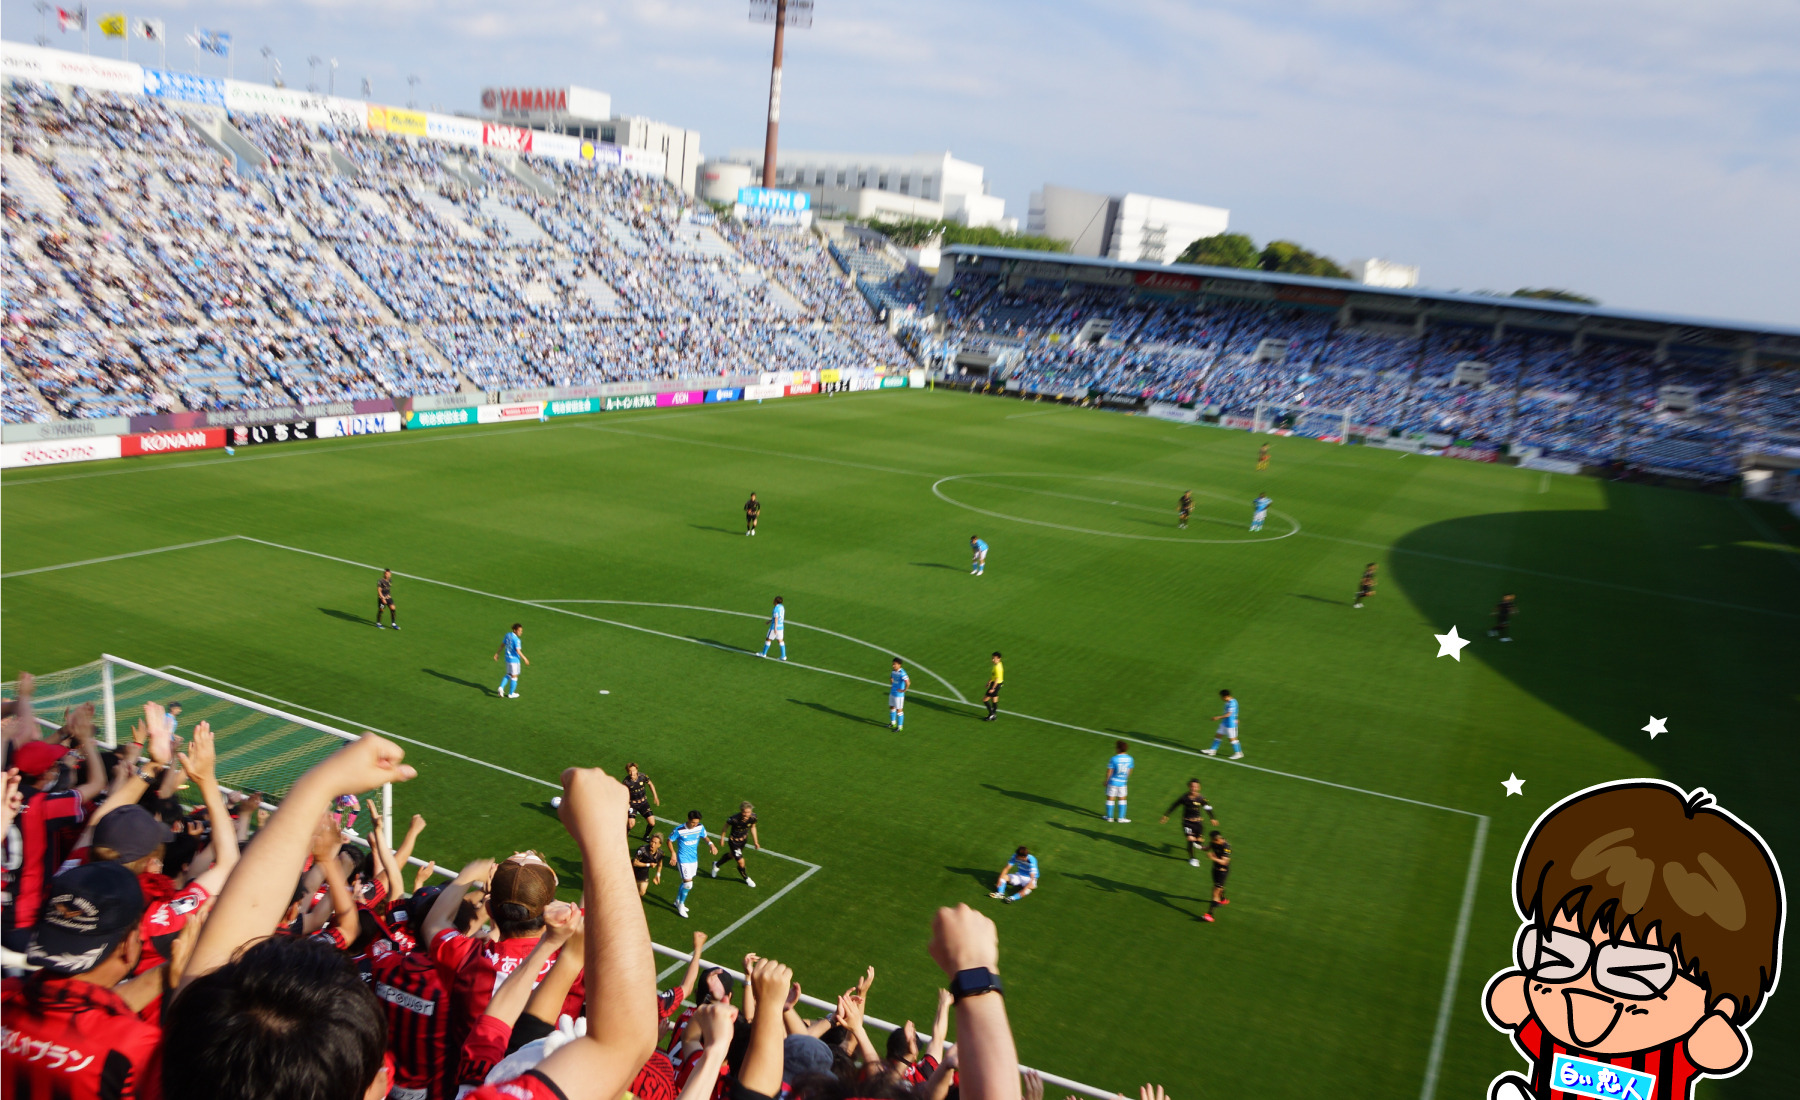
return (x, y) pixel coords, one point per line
(1366, 587)
(1503, 613)
(641, 793)
(1219, 853)
(1196, 811)
(1186, 507)
(752, 509)
(384, 598)
(647, 861)
(740, 833)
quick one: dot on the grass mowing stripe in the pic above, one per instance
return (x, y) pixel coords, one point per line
(755, 450)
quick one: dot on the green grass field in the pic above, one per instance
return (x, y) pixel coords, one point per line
(1374, 767)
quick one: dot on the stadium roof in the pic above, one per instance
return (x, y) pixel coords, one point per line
(1436, 305)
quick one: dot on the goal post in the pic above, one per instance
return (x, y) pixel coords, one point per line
(259, 747)
(1312, 421)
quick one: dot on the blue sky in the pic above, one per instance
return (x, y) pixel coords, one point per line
(1646, 152)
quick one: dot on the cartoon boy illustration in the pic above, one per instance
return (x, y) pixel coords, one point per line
(1652, 937)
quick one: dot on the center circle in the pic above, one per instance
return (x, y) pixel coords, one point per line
(937, 490)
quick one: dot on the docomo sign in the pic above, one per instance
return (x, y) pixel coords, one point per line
(47, 452)
(157, 443)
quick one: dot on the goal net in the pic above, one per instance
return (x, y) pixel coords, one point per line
(260, 748)
(1331, 425)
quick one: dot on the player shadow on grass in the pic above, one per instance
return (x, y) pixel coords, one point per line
(1142, 847)
(483, 688)
(1027, 796)
(1318, 599)
(935, 565)
(347, 616)
(1150, 738)
(1160, 897)
(720, 530)
(823, 709)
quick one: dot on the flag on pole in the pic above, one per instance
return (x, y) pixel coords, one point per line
(218, 42)
(71, 20)
(151, 30)
(113, 26)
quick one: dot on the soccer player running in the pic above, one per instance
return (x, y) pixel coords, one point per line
(898, 682)
(1196, 811)
(1367, 587)
(512, 646)
(740, 831)
(640, 792)
(990, 696)
(1187, 508)
(1219, 852)
(1259, 511)
(384, 598)
(1228, 728)
(687, 856)
(1503, 613)
(1262, 457)
(777, 629)
(1021, 871)
(979, 550)
(752, 509)
(648, 860)
(1118, 774)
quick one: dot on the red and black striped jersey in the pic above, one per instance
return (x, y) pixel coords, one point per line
(33, 852)
(417, 1004)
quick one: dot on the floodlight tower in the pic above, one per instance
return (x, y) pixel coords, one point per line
(782, 13)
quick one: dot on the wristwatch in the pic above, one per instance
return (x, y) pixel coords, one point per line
(974, 982)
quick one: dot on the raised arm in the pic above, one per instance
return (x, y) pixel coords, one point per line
(257, 893)
(962, 939)
(201, 764)
(546, 1002)
(449, 899)
(940, 1027)
(81, 726)
(406, 845)
(621, 971)
(715, 1023)
(690, 979)
(761, 1073)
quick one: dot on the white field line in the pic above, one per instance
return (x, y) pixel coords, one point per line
(1440, 1034)
(811, 870)
(937, 491)
(114, 557)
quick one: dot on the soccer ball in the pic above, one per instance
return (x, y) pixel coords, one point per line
(556, 802)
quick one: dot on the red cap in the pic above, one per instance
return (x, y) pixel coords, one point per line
(34, 758)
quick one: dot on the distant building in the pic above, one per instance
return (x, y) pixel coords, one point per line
(927, 186)
(1384, 273)
(1128, 227)
(587, 114)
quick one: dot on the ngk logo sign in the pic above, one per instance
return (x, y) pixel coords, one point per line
(156, 443)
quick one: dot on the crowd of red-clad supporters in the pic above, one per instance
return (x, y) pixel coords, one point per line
(234, 952)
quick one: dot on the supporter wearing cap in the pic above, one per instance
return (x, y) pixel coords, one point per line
(67, 1032)
(518, 892)
(33, 846)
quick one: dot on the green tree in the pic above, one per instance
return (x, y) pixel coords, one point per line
(913, 232)
(1291, 259)
(1221, 250)
(1550, 294)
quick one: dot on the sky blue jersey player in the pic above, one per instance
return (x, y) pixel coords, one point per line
(1021, 871)
(777, 629)
(978, 550)
(1228, 727)
(687, 856)
(1118, 773)
(898, 682)
(1259, 511)
(512, 647)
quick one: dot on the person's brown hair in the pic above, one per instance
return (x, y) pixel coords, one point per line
(1644, 856)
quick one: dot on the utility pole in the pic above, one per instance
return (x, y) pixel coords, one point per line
(780, 13)
(331, 79)
(43, 10)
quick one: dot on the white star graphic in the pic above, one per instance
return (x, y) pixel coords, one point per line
(1513, 784)
(1656, 726)
(1451, 644)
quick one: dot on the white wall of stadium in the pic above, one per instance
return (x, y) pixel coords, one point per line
(47, 446)
(24, 62)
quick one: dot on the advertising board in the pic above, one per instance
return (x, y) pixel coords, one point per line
(898, 381)
(501, 414)
(769, 198)
(1163, 410)
(334, 427)
(759, 393)
(803, 389)
(680, 397)
(627, 401)
(394, 120)
(251, 435)
(713, 396)
(573, 406)
(48, 452)
(161, 443)
(513, 139)
(1167, 280)
(440, 418)
(67, 67)
(186, 87)
(461, 131)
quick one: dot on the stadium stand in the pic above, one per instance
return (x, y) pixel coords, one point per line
(1593, 401)
(143, 275)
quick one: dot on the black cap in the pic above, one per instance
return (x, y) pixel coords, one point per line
(131, 831)
(90, 909)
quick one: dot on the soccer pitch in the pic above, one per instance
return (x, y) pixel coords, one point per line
(1372, 838)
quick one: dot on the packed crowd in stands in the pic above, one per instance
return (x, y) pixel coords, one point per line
(1602, 403)
(144, 274)
(240, 949)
